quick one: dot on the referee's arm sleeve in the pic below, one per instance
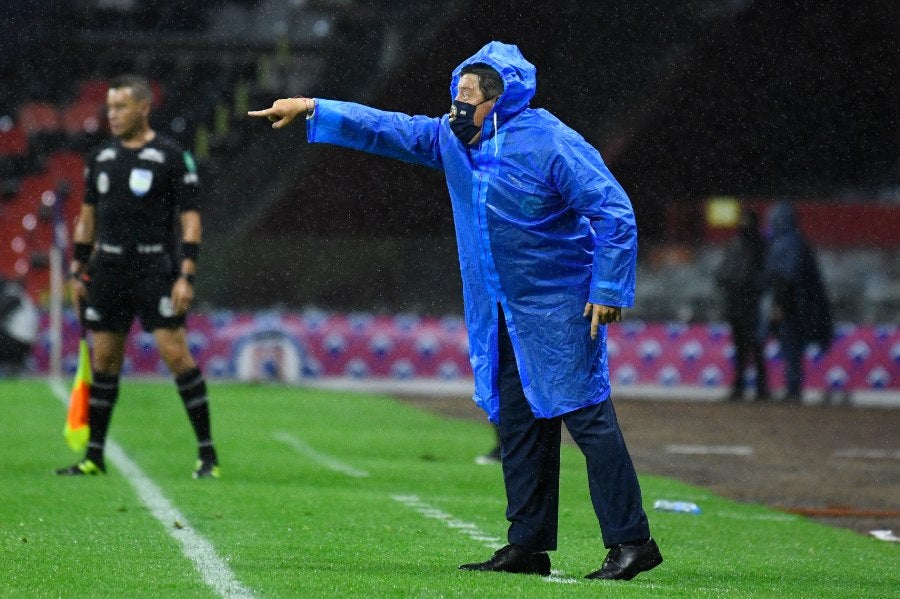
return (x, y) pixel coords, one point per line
(187, 183)
(90, 185)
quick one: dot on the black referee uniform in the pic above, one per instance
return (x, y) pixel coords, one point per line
(138, 195)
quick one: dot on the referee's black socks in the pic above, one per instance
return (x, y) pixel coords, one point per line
(104, 392)
(192, 389)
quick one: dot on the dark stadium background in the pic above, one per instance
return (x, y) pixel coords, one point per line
(687, 101)
(756, 100)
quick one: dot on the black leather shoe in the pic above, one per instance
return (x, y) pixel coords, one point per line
(624, 562)
(514, 559)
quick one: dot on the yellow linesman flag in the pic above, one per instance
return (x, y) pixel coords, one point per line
(76, 431)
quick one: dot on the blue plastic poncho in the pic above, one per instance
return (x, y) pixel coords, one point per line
(542, 227)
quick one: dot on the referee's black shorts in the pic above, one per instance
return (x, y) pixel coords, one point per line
(119, 292)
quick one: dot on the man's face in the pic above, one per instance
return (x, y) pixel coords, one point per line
(469, 91)
(127, 116)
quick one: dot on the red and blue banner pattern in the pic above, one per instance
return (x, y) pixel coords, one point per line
(291, 347)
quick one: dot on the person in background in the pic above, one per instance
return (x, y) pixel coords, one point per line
(739, 277)
(18, 326)
(547, 244)
(140, 187)
(795, 304)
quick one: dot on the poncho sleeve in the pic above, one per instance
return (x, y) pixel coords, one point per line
(589, 188)
(391, 134)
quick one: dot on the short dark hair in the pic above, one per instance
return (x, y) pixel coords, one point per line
(489, 80)
(140, 87)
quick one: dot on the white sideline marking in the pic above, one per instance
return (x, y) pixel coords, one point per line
(467, 528)
(325, 460)
(470, 530)
(213, 569)
(869, 454)
(760, 517)
(710, 449)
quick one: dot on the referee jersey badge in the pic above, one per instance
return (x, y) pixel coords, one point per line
(140, 181)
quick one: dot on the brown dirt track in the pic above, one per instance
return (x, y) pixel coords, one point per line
(838, 465)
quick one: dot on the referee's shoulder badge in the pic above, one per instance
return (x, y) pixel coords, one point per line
(106, 154)
(153, 155)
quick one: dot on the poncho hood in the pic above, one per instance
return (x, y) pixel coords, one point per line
(519, 77)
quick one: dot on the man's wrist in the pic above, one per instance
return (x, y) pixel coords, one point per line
(309, 105)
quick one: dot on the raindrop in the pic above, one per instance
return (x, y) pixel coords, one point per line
(322, 28)
(178, 125)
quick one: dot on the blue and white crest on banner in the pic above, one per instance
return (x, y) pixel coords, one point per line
(140, 181)
(268, 354)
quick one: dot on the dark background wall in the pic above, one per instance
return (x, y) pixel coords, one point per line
(756, 99)
(685, 100)
(779, 98)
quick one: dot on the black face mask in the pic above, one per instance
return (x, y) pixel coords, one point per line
(461, 120)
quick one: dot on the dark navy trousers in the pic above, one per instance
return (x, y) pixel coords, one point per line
(530, 456)
(792, 353)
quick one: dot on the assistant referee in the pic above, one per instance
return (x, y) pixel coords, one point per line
(140, 188)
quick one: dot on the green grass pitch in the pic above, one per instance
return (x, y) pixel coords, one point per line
(329, 494)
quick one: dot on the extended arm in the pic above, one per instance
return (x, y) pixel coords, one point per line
(397, 135)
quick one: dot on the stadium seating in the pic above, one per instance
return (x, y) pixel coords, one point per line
(83, 117)
(93, 91)
(13, 138)
(39, 117)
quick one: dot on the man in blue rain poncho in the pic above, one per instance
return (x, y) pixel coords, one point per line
(546, 239)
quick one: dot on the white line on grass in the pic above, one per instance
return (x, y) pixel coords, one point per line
(469, 529)
(710, 449)
(868, 454)
(760, 517)
(321, 458)
(213, 569)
